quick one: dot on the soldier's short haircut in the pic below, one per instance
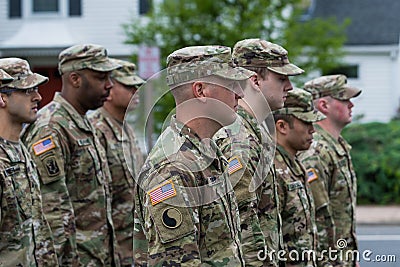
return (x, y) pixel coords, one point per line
(285, 117)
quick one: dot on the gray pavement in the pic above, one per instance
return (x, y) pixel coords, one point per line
(381, 215)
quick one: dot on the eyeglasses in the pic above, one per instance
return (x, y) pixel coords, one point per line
(28, 91)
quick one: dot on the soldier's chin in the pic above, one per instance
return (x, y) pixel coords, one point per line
(97, 105)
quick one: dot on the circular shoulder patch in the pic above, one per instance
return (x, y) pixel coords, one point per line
(171, 218)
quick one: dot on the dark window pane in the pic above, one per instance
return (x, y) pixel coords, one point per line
(15, 8)
(45, 5)
(351, 71)
(144, 6)
(75, 8)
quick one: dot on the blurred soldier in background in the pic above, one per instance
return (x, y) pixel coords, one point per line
(329, 166)
(115, 135)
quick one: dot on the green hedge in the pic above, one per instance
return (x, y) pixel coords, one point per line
(376, 159)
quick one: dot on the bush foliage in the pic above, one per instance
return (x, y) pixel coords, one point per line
(376, 159)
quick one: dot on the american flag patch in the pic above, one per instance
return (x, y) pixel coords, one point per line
(43, 145)
(234, 165)
(312, 175)
(162, 192)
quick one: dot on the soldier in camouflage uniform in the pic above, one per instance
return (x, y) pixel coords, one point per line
(74, 177)
(185, 201)
(113, 134)
(250, 150)
(329, 166)
(294, 130)
(25, 236)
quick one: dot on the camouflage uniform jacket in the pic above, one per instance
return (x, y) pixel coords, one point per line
(74, 180)
(241, 142)
(25, 236)
(296, 208)
(115, 137)
(197, 223)
(334, 187)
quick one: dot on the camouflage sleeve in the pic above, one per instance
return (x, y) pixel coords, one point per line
(317, 166)
(45, 253)
(244, 163)
(50, 155)
(140, 243)
(172, 230)
(268, 211)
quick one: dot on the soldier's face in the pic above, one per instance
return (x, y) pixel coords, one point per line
(340, 111)
(226, 104)
(275, 86)
(23, 106)
(95, 88)
(300, 136)
(121, 96)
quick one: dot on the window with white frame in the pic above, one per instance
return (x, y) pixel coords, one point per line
(44, 8)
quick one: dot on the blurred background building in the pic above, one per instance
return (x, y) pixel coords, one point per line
(38, 30)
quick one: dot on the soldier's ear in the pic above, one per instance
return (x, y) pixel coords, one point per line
(254, 82)
(281, 126)
(2, 102)
(198, 89)
(74, 79)
(322, 105)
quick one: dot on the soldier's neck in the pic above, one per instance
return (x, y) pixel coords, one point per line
(333, 129)
(116, 113)
(9, 130)
(203, 127)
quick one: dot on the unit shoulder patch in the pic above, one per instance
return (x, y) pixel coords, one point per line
(234, 165)
(312, 175)
(52, 166)
(162, 192)
(171, 218)
(43, 145)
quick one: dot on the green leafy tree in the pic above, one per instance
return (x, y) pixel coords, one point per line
(313, 44)
(376, 161)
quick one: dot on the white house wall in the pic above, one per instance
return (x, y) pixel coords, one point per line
(379, 80)
(101, 23)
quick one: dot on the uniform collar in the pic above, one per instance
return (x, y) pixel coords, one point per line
(341, 146)
(115, 125)
(80, 120)
(291, 162)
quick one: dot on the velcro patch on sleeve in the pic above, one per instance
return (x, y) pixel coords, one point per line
(43, 145)
(162, 192)
(312, 175)
(234, 165)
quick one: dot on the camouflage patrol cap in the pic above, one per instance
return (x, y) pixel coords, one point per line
(196, 62)
(5, 78)
(331, 85)
(260, 53)
(85, 56)
(299, 103)
(20, 71)
(126, 74)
